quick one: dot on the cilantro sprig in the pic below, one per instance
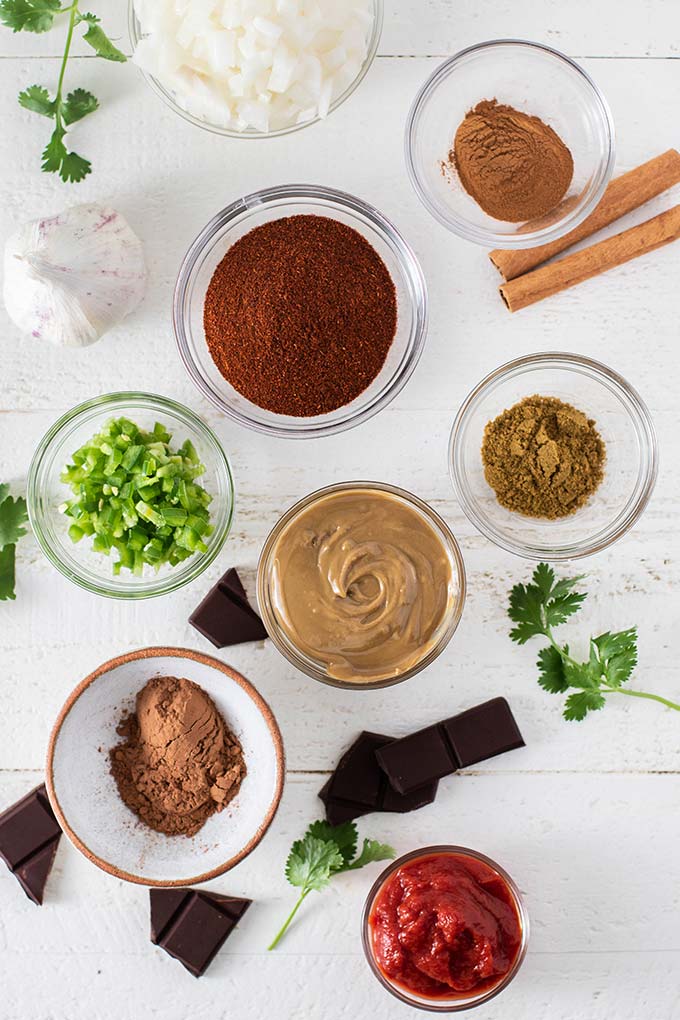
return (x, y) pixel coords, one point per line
(325, 851)
(13, 517)
(545, 603)
(39, 16)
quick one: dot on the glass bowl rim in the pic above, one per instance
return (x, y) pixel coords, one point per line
(409, 264)
(371, 52)
(480, 235)
(294, 656)
(105, 402)
(608, 377)
(428, 851)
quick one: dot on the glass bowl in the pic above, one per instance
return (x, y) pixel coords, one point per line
(316, 669)
(45, 492)
(452, 1005)
(622, 420)
(169, 99)
(240, 218)
(532, 78)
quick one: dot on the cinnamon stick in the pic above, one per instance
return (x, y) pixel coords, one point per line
(622, 195)
(598, 258)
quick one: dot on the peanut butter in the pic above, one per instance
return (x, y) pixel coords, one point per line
(362, 584)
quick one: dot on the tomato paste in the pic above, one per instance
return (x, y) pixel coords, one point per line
(445, 926)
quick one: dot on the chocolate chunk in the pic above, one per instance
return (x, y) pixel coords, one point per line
(29, 836)
(35, 871)
(402, 803)
(358, 786)
(483, 732)
(193, 926)
(416, 759)
(436, 751)
(225, 616)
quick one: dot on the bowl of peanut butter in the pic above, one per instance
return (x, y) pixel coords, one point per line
(361, 585)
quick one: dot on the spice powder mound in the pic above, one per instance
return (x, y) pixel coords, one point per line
(177, 763)
(543, 457)
(300, 314)
(513, 164)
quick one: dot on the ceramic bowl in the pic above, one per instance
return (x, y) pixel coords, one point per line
(85, 798)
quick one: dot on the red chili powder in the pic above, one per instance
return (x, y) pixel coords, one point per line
(300, 314)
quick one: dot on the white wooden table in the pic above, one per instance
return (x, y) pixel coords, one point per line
(587, 817)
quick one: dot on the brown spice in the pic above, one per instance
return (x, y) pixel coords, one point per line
(543, 457)
(178, 763)
(514, 166)
(300, 314)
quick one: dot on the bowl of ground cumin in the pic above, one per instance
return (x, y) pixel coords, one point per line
(300, 311)
(553, 456)
(510, 144)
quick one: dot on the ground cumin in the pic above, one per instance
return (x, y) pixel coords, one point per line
(300, 314)
(513, 165)
(543, 457)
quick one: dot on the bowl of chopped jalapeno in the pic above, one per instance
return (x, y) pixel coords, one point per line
(130, 495)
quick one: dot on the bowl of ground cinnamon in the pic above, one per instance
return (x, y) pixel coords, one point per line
(510, 144)
(553, 456)
(300, 311)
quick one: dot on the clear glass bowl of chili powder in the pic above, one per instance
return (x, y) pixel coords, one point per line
(252, 211)
(630, 466)
(444, 929)
(536, 80)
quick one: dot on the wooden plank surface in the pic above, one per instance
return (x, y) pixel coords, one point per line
(571, 814)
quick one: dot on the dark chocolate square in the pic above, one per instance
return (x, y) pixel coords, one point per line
(35, 870)
(483, 732)
(416, 760)
(26, 827)
(225, 617)
(357, 777)
(193, 926)
(402, 803)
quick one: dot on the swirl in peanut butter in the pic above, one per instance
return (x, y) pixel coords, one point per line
(362, 583)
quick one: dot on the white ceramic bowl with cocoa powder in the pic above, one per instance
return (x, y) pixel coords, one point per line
(85, 797)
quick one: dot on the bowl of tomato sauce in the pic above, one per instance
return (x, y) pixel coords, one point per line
(444, 929)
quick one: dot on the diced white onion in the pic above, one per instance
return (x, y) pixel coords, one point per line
(254, 65)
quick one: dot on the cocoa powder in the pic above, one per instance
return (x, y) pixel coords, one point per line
(513, 164)
(300, 314)
(178, 763)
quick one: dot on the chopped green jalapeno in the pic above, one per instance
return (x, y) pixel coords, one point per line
(137, 497)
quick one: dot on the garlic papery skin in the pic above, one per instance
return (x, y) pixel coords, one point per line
(71, 277)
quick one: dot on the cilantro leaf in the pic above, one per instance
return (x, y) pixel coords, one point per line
(57, 160)
(617, 654)
(7, 570)
(97, 38)
(578, 705)
(370, 852)
(77, 105)
(551, 671)
(29, 15)
(325, 851)
(311, 862)
(37, 99)
(344, 836)
(545, 603)
(13, 517)
(4, 492)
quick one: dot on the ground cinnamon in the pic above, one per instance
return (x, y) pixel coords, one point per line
(300, 314)
(543, 457)
(513, 164)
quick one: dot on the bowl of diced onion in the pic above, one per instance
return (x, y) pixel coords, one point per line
(130, 495)
(257, 69)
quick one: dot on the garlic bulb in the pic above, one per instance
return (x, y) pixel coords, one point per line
(71, 277)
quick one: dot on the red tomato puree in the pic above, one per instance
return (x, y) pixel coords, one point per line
(445, 926)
